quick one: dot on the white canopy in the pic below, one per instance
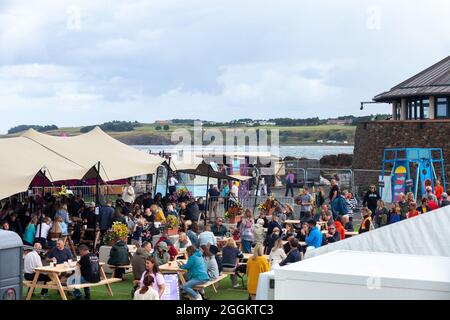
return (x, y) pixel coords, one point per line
(427, 234)
(117, 160)
(22, 159)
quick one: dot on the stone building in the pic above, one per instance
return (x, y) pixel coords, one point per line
(420, 119)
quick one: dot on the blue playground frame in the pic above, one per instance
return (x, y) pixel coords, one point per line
(420, 157)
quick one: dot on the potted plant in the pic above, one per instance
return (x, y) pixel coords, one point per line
(268, 205)
(118, 231)
(234, 213)
(172, 225)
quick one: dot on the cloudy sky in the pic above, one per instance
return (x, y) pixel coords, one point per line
(86, 62)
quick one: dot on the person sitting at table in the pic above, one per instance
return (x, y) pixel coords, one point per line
(118, 256)
(273, 224)
(59, 254)
(262, 215)
(197, 272)
(287, 238)
(412, 211)
(31, 261)
(89, 266)
(139, 259)
(271, 239)
(259, 234)
(327, 217)
(230, 257)
(158, 213)
(277, 254)
(212, 267)
(152, 268)
(340, 227)
(314, 238)
(207, 237)
(424, 208)
(192, 233)
(294, 254)
(161, 254)
(118, 216)
(218, 228)
(333, 235)
(255, 266)
(303, 232)
(289, 230)
(173, 252)
(147, 292)
(183, 241)
(170, 210)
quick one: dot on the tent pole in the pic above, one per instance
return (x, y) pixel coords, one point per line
(167, 178)
(206, 197)
(43, 204)
(156, 182)
(97, 186)
(258, 178)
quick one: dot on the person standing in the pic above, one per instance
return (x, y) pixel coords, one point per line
(371, 199)
(172, 184)
(290, 178)
(246, 230)
(306, 202)
(381, 214)
(128, 194)
(30, 231)
(334, 190)
(214, 195)
(438, 190)
(106, 214)
(255, 266)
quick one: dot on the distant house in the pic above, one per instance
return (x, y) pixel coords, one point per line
(340, 122)
(163, 122)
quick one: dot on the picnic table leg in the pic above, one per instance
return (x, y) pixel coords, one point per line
(55, 278)
(103, 275)
(68, 239)
(214, 287)
(33, 285)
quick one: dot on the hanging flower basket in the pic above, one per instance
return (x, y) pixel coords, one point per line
(234, 213)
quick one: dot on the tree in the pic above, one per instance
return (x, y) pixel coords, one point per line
(158, 128)
(166, 127)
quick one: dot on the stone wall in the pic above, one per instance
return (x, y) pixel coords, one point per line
(372, 137)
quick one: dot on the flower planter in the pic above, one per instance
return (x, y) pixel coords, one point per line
(172, 232)
(235, 219)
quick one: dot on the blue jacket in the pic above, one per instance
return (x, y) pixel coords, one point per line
(106, 214)
(196, 267)
(339, 206)
(314, 239)
(292, 257)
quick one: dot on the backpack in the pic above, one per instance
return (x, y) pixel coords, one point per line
(95, 269)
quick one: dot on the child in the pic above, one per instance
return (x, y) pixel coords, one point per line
(147, 292)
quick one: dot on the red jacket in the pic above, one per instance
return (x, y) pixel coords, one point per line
(172, 250)
(433, 205)
(340, 228)
(410, 214)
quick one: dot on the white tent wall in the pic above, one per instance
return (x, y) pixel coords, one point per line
(427, 234)
(21, 161)
(118, 160)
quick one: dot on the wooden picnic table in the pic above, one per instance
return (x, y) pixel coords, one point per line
(55, 272)
(249, 255)
(173, 267)
(292, 221)
(351, 233)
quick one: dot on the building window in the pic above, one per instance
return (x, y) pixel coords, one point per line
(418, 109)
(442, 108)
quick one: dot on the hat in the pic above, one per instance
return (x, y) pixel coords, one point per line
(444, 195)
(429, 188)
(163, 246)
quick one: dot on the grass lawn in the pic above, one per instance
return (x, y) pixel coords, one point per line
(122, 291)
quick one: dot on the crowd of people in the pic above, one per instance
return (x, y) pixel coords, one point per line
(212, 248)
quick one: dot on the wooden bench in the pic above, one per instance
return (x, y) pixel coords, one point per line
(52, 285)
(211, 283)
(90, 284)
